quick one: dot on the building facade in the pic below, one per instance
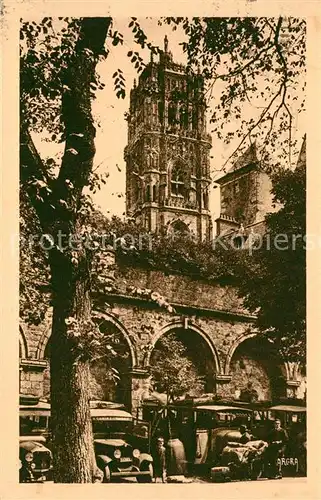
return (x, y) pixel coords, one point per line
(167, 176)
(245, 195)
(167, 155)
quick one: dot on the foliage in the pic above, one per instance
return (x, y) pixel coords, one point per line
(47, 50)
(178, 253)
(34, 296)
(272, 277)
(172, 371)
(258, 63)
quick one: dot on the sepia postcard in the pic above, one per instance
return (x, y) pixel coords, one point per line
(161, 234)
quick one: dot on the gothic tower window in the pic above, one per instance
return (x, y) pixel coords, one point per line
(171, 114)
(184, 117)
(205, 199)
(136, 190)
(148, 193)
(154, 193)
(177, 181)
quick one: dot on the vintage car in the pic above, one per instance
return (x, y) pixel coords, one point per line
(121, 442)
(121, 445)
(35, 458)
(216, 425)
(292, 463)
(241, 461)
(204, 429)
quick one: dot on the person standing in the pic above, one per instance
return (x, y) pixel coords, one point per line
(277, 440)
(159, 459)
(245, 435)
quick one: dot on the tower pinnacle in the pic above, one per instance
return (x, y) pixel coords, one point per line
(165, 44)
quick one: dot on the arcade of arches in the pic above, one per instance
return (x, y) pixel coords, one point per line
(209, 321)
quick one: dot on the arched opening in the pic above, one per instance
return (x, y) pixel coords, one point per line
(184, 117)
(172, 113)
(109, 371)
(177, 350)
(256, 371)
(154, 193)
(179, 227)
(148, 193)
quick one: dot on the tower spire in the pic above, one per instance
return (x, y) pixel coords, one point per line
(165, 44)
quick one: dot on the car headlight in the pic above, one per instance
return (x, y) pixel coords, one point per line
(33, 465)
(136, 453)
(29, 456)
(117, 453)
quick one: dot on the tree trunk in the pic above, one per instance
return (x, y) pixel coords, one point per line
(73, 447)
(74, 460)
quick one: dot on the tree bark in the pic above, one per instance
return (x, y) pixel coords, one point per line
(74, 459)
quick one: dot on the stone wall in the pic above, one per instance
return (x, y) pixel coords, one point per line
(208, 313)
(180, 289)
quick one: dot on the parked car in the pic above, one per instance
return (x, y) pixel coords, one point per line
(35, 460)
(202, 428)
(35, 457)
(215, 426)
(121, 442)
(292, 463)
(121, 445)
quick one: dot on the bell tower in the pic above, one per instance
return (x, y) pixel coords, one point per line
(167, 154)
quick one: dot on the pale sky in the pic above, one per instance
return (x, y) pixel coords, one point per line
(111, 137)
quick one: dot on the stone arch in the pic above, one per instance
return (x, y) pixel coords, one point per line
(114, 321)
(178, 226)
(236, 344)
(23, 346)
(109, 318)
(256, 368)
(98, 387)
(180, 324)
(233, 348)
(40, 353)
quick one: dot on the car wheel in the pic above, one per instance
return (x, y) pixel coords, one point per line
(107, 475)
(148, 478)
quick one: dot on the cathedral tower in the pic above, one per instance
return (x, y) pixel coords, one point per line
(167, 155)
